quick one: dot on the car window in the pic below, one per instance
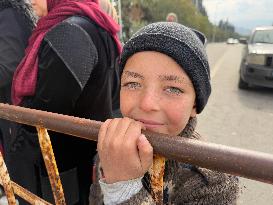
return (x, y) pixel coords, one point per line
(263, 36)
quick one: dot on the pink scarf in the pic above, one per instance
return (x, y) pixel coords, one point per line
(25, 76)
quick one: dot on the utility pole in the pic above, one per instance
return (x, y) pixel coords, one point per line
(196, 4)
(118, 4)
(120, 15)
(215, 20)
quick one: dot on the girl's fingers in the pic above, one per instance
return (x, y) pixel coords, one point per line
(102, 133)
(142, 125)
(145, 152)
(122, 128)
(118, 145)
(132, 134)
(110, 133)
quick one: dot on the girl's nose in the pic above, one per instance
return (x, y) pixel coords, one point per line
(149, 101)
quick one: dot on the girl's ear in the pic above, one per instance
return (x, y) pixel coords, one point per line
(193, 112)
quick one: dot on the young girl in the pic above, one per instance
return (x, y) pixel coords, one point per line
(165, 83)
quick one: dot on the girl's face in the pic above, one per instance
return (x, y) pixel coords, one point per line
(39, 7)
(156, 91)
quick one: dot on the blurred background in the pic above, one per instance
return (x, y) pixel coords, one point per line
(218, 19)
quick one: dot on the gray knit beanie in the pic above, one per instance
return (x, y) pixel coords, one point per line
(184, 45)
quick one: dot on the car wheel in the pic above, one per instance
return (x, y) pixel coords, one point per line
(242, 84)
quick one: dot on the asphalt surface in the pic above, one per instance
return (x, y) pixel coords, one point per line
(239, 118)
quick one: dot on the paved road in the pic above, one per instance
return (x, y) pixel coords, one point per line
(239, 118)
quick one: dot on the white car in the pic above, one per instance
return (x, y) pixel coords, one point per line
(232, 41)
(257, 61)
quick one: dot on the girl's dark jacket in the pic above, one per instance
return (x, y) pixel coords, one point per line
(78, 76)
(184, 184)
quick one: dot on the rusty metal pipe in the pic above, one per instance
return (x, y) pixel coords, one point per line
(51, 166)
(249, 164)
(28, 196)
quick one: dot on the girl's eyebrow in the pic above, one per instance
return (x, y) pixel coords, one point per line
(133, 74)
(170, 78)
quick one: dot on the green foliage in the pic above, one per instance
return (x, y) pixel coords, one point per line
(137, 13)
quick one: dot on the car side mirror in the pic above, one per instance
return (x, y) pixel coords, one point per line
(243, 40)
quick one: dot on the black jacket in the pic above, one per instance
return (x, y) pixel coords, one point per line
(13, 40)
(77, 75)
(14, 33)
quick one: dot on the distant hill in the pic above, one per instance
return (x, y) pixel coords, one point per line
(242, 31)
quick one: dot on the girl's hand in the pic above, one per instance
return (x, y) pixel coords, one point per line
(124, 152)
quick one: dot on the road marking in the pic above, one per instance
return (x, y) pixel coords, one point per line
(217, 65)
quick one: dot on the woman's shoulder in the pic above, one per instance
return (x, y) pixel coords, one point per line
(75, 31)
(71, 41)
(78, 23)
(81, 23)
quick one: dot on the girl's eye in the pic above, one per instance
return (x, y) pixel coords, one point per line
(174, 90)
(131, 85)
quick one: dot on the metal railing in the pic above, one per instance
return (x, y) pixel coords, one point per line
(240, 162)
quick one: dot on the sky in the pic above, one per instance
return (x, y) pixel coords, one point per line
(245, 14)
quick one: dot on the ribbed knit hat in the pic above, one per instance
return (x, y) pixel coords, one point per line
(184, 45)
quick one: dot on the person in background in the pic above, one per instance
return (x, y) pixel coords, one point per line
(165, 83)
(16, 24)
(70, 67)
(171, 17)
(108, 7)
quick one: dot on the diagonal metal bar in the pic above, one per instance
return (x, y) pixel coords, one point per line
(245, 163)
(28, 196)
(51, 166)
(11, 188)
(6, 182)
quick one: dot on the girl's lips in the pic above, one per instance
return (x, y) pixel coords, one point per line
(150, 123)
